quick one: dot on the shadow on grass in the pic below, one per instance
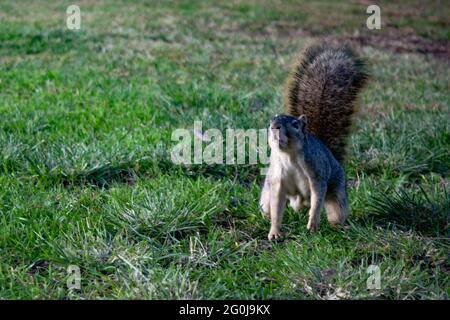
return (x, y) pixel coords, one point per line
(105, 175)
(56, 41)
(415, 211)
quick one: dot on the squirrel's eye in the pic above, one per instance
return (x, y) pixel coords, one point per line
(295, 125)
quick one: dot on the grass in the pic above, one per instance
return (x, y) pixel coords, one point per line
(86, 180)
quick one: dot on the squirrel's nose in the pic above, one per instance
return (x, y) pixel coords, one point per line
(275, 126)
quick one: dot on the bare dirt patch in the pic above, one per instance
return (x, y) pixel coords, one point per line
(410, 44)
(397, 42)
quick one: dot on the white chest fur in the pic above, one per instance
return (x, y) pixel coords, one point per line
(290, 171)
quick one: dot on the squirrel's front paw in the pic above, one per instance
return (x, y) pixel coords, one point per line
(313, 226)
(274, 235)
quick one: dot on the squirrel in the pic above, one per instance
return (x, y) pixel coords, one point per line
(308, 144)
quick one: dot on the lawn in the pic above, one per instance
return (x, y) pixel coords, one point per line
(87, 182)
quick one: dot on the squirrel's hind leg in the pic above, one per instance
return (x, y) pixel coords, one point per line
(336, 206)
(277, 205)
(264, 202)
(295, 202)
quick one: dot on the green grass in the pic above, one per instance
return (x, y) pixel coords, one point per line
(85, 176)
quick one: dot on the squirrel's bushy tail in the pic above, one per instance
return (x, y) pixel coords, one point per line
(324, 84)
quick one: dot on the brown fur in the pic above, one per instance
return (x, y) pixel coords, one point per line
(324, 84)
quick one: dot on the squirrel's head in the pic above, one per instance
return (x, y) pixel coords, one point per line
(285, 132)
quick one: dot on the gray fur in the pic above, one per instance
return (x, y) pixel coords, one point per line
(308, 145)
(302, 170)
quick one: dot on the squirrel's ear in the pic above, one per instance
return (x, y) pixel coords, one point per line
(304, 120)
